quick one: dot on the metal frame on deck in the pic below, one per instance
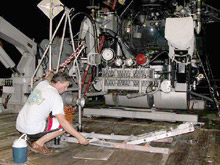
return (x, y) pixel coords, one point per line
(133, 142)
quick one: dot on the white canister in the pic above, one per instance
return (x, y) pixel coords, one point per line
(20, 149)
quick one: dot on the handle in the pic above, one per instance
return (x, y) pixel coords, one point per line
(22, 136)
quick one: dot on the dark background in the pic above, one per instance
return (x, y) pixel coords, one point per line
(29, 19)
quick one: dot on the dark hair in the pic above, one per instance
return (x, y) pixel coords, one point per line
(62, 77)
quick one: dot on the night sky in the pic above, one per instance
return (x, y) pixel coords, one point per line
(29, 19)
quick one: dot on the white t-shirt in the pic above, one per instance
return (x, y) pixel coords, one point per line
(43, 100)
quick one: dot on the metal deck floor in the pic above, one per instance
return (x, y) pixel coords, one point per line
(197, 148)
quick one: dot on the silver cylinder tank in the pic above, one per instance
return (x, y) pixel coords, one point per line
(139, 102)
(171, 100)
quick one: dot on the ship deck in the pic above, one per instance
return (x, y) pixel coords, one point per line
(201, 146)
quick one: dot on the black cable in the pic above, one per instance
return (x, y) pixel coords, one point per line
(157, 56)
(209, 84)
(94, 26)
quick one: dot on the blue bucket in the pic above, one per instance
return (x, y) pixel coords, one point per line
(20, 150)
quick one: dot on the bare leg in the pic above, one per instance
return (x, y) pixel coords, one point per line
(48, 137)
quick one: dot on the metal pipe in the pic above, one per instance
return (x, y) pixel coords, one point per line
(202, 96)
(5, 59)
(79, 97)
(61, 44)
(70, 29)
(126, 8)
(80, 89)
(50, 33)
(198, 27)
